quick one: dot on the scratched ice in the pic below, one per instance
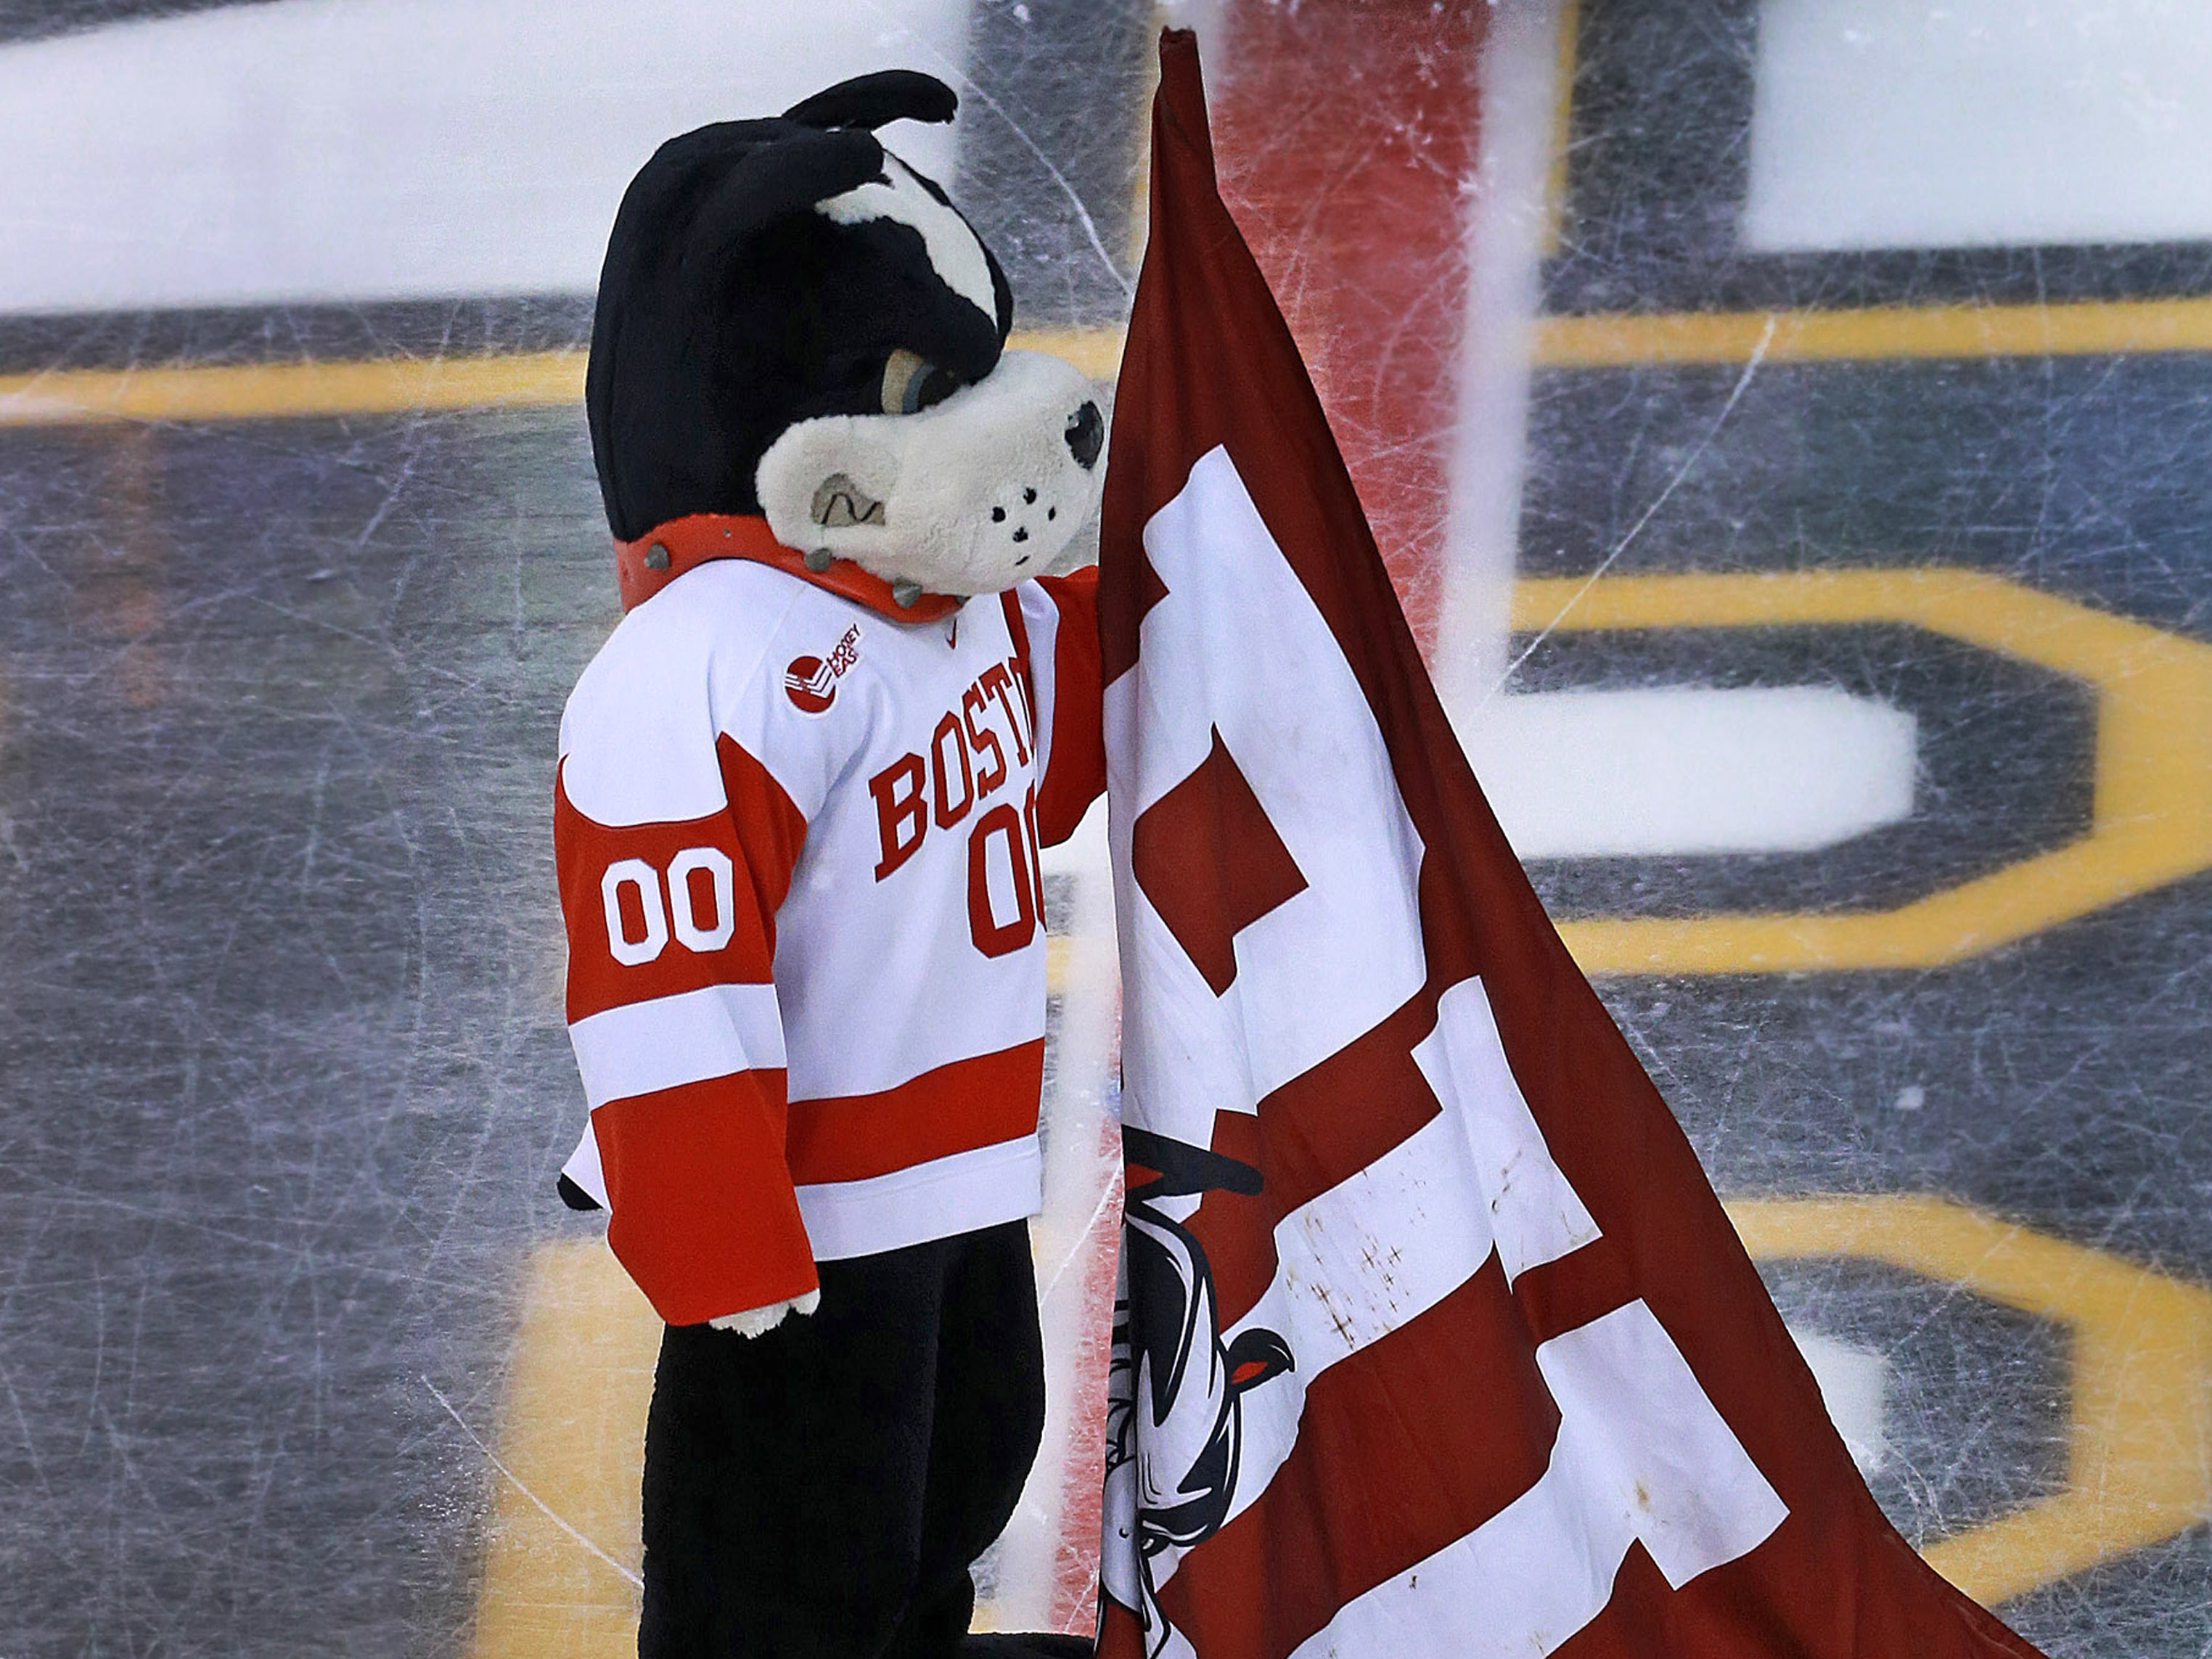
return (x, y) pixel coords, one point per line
(1722, 288)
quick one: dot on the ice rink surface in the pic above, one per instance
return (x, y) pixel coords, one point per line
(1790, 429)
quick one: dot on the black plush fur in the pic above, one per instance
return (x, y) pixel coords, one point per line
(819, 1491)
(728, 308)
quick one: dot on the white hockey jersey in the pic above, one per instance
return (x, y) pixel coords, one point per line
(796, 831)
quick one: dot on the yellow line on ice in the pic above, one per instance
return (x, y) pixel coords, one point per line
(247, 392)
(392, 385)
(521, 379)
(2139, 1457)
(1882, 332)
(1563, 123)
(2152, 814)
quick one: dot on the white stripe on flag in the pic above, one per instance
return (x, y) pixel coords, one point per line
(1330, 963)
(1641, 1455)
(643, 1047)
(1534, 1214)
(1642, 1452)
(1383, 1246)
(1377, 1251)
(1371, 1255)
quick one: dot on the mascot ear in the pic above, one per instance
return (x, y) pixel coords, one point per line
(788, 175)
(822, 484)
(876, 101)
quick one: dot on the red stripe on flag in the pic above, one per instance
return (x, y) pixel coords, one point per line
(1410, 1443)
(955, 1108)
(1117, 645)
(1119, 1636)
(1212, 864)
(1304, 1140)
(1559, 1296)
(1849, 1572)
(1646, 1608)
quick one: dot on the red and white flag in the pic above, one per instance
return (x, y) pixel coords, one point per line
(1435, 1342)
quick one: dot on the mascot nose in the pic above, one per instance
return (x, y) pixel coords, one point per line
(1085, 435)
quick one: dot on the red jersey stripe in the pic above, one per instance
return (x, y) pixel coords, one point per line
(641, 900)
(955, 1108)
(702, 1214)
(770, 830)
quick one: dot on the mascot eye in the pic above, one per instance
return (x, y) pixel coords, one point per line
(912, 382)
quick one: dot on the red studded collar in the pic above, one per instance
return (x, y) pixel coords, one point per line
(644, 567)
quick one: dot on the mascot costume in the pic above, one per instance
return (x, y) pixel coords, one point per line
(801, 796)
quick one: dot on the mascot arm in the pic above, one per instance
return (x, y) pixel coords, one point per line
(673, 1009)
(1059, 616)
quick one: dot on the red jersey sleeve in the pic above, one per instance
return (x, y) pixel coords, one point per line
(1059, 616)
(672, 1010)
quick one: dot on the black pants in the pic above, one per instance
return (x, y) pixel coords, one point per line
(820, 1492)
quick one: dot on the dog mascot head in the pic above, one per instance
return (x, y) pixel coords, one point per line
(794, 324)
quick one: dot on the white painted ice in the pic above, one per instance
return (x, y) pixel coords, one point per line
(1855, 1388)
(1508, 222)
(376, 150)
(1686, 769)
(1906, 124)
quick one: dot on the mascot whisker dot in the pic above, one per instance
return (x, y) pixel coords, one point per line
(801, 799)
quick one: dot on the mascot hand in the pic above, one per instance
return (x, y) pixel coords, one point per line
(758, 1322)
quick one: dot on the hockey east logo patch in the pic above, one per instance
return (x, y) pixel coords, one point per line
(811, 682)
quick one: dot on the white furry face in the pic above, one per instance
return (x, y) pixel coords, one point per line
(966, 496)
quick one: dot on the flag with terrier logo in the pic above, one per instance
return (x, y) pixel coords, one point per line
(1434, 1341)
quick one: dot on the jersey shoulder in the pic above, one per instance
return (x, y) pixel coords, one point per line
(638, 737)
